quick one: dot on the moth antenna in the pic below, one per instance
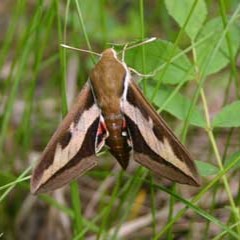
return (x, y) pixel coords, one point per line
(139, 44)
(80, 49)
(133, 46)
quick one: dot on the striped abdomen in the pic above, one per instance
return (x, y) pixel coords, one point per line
(118, 138)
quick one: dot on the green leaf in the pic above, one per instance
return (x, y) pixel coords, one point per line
(178, 106)
(157, 54)
(229, 116)
(214, 29)
(180, 11)
(206, 169)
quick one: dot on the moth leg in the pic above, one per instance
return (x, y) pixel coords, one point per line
(102, 134)
(123, 51)
(142, 75)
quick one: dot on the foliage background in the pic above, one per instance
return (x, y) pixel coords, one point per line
(195, 86)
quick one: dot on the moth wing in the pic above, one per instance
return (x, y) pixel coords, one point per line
(71, 150)
(154, 145)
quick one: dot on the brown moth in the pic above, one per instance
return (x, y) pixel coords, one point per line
(111, 110)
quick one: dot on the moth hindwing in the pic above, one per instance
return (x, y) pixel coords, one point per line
(111, 110)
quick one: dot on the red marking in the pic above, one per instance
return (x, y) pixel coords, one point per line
(101, 129)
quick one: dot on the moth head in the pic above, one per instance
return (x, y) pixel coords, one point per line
(109, 53)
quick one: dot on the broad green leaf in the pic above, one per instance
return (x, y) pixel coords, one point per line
(229, 116)
(206, 169)
(157, 55)
(178, 106)
(180, 11)
(205, 50)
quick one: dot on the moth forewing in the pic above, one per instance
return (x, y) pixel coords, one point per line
(154, 145)
(71, 150)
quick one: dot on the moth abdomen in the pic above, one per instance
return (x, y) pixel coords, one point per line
(118, 140)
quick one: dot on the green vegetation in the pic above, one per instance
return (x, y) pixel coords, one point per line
(194, 83)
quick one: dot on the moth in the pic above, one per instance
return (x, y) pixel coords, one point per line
(111, 110)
